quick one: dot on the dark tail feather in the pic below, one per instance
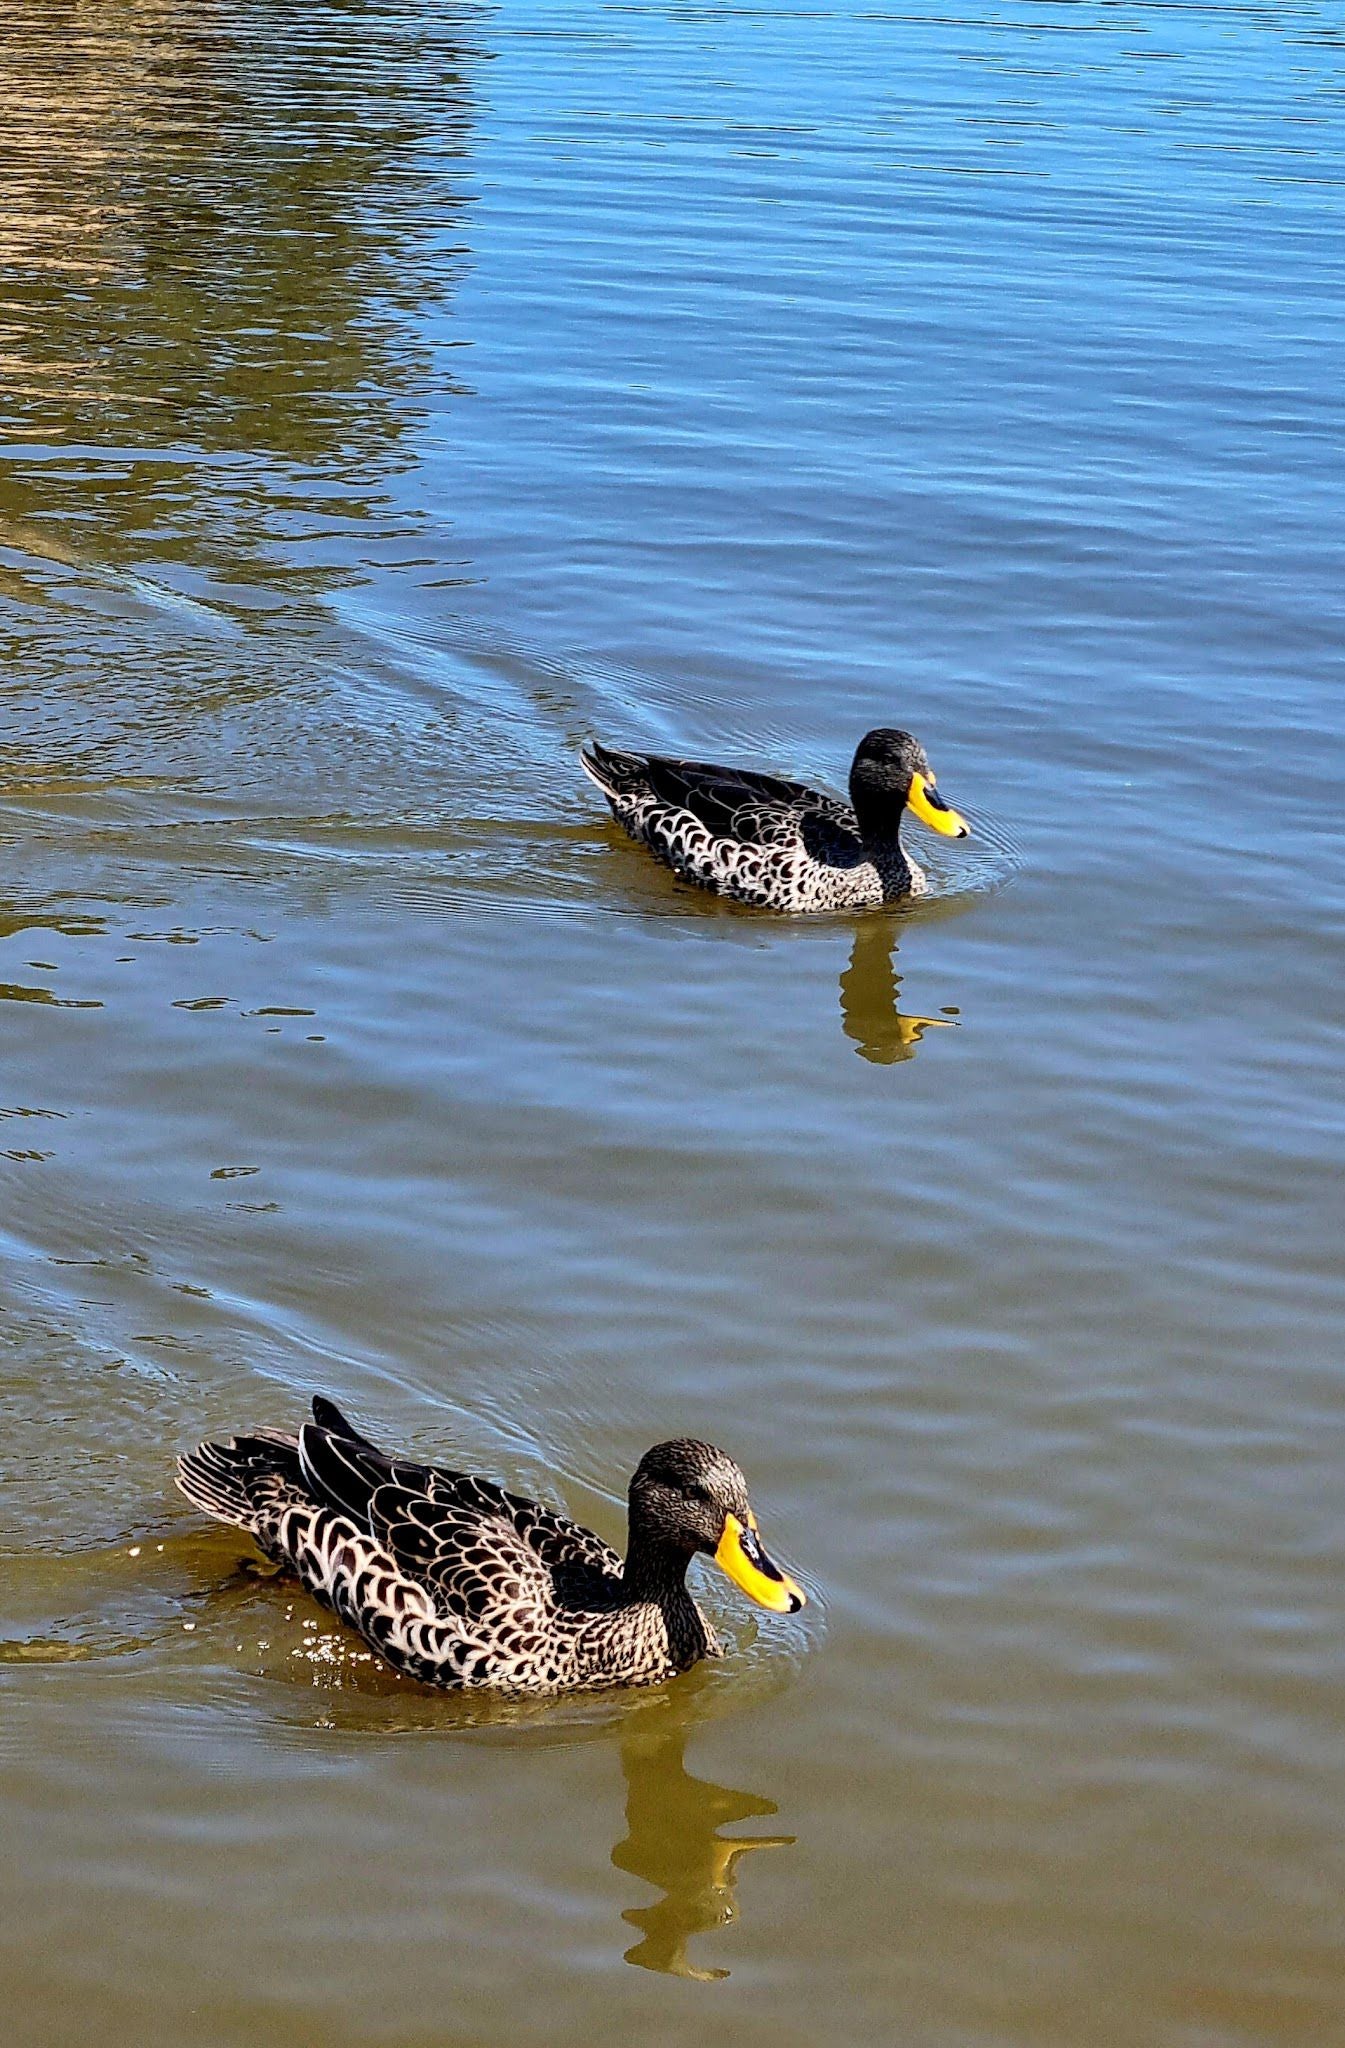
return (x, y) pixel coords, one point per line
(615, 774)
(328, 1416)
(231, 1479)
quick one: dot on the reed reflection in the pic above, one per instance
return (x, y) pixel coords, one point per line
(226, 233)
(672, 1841)
(870, 987)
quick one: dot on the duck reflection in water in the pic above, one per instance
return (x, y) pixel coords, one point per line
(869, 987)
(672, 1842)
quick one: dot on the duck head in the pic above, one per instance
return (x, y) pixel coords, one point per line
(687, 1497)
(891, 774)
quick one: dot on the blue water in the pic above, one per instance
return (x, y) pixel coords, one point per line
(397, 396)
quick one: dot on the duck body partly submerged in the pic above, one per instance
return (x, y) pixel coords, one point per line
(776, 844)
(458, 1583)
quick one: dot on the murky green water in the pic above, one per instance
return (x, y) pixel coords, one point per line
(394, 396)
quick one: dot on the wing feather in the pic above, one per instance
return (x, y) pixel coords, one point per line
(733, 801)
(478, 1568)
(346, 1476)
(338, 1471)
(329, 1417)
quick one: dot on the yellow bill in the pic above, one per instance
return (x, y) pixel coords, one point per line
(931, 810)
(740, 1555)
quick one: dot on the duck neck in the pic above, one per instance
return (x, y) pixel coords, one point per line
(879, 820)
(654, 1569)
(878, 814)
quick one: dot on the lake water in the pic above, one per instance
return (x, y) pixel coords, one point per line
(395, 396)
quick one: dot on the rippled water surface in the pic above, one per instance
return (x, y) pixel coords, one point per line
(396, 395)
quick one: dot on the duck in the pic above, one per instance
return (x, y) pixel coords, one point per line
(456, 1583)
(775, 844)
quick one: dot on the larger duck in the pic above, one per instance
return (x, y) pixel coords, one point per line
(457, 1583)
(776, 844)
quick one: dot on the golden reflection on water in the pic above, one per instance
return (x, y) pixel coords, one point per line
(229, 242)
(162, 1598)
(673, 1842)
(869, 989)
(673, 1819)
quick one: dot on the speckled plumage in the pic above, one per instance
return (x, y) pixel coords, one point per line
(760, 839)
(453, 1580)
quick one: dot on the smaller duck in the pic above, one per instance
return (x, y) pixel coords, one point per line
(459, 1584)
(776, 844)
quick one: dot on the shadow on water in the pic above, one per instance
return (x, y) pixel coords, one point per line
(870, 986)
(673, 1842)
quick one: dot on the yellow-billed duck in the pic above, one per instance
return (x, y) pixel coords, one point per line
(457, 1583)
(780, 845)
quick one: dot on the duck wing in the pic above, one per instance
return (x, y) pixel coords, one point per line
(328, 1416)
(351, 1475)
(741, 803)
(731, 803)
(477, 1567)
